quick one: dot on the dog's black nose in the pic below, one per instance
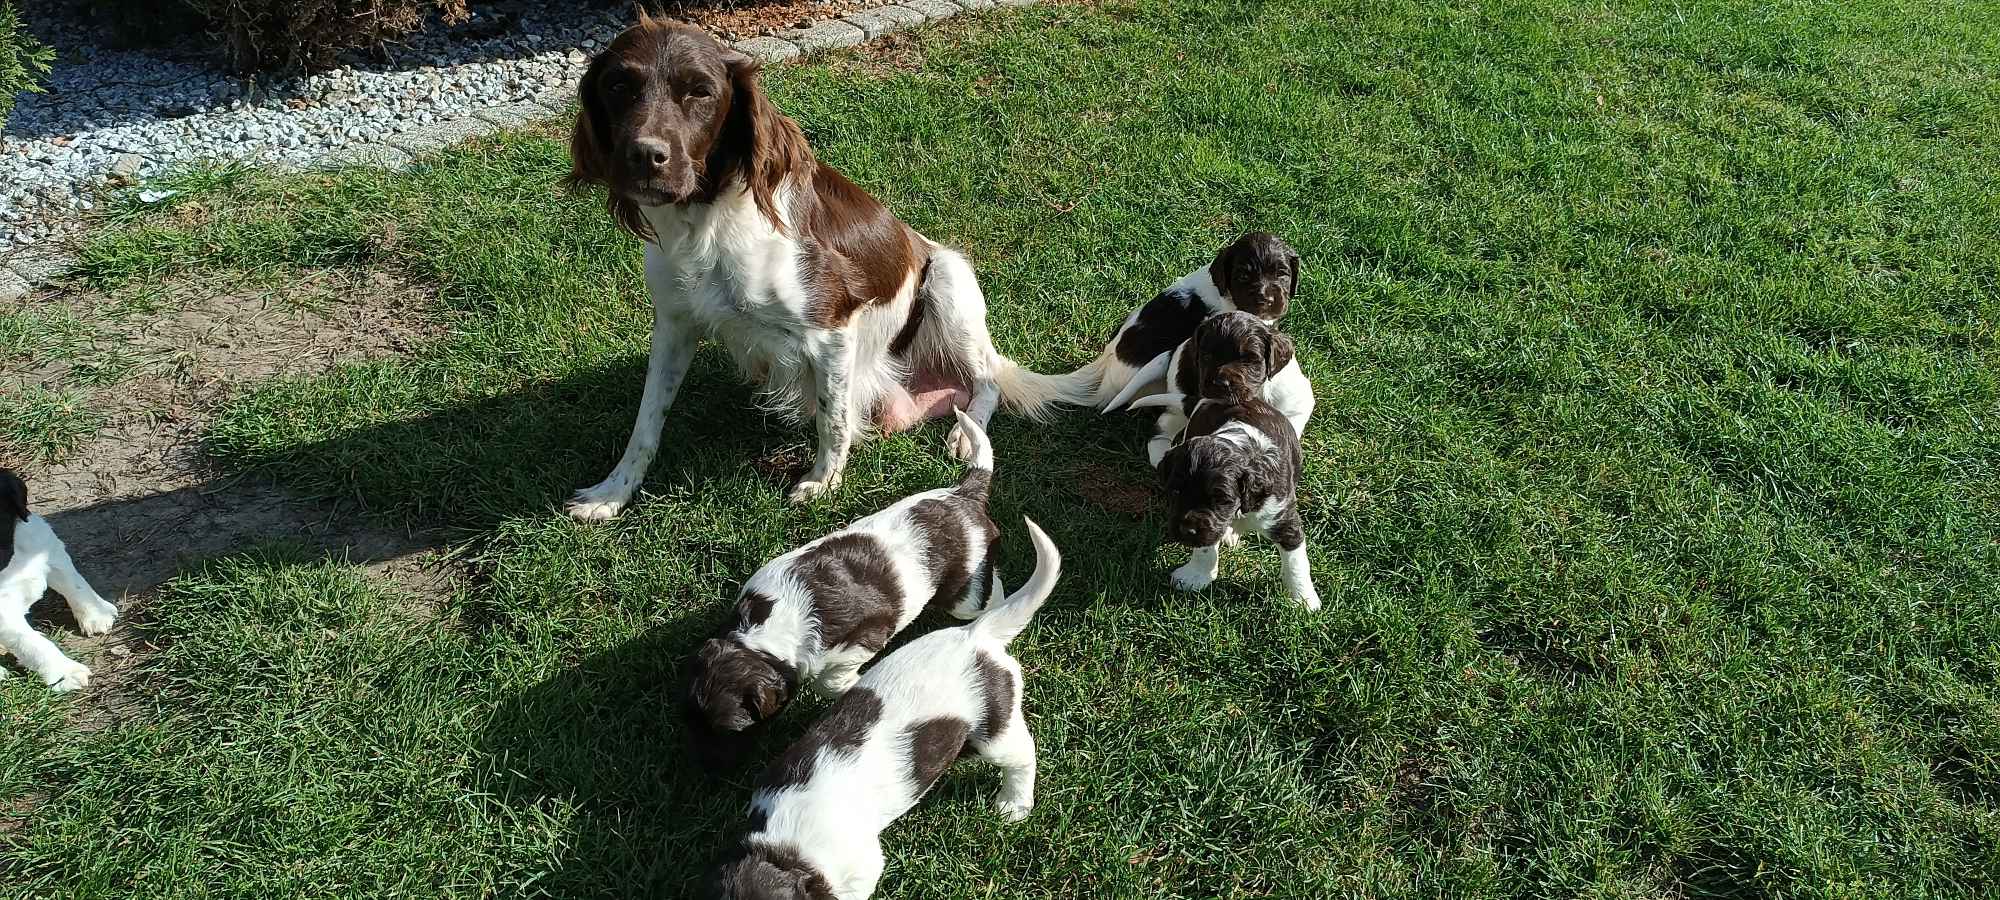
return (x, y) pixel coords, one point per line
(652, 153)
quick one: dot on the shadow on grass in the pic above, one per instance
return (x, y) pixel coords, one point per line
(383, 492)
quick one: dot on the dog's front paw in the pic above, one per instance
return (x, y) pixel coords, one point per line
(96, 618)
(1192, 577)
(808, 491)
(1231, 537)
(837, 684)
(67, 675)
(596, 504)
(1309, 600)
(1013, 809)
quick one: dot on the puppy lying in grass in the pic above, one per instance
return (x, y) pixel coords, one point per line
(825, 609)
(1232, 354)
(1236, 471)
(1257, 274)
(32, 560)
(819, 810)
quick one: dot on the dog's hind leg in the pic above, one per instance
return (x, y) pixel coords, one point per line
(93, 613)
(1289, 534)
(1013, 751)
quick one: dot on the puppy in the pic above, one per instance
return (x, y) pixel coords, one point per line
(32, 560)
(1257, 273)
(1237, 471)
(819, 810)
(1233, 354)
(823, 610)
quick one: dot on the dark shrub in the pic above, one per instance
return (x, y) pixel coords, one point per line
(305, 34)
(22, 60)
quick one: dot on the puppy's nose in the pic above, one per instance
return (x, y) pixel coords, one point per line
(652, 153)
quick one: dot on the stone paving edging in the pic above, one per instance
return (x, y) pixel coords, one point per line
(29, 268)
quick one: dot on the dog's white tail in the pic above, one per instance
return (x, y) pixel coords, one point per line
(978, 480)
(1151, 400)
(1032, 393)
(1155, 368)
(1006, 621)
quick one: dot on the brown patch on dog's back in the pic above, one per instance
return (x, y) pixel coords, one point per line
(996, 686)
(855, 593)
(934, 744)
(857, 253)
(843, 729)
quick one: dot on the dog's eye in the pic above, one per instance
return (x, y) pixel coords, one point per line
(699, 92)
(619, 88)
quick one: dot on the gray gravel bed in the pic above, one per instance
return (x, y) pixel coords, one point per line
(120, 117)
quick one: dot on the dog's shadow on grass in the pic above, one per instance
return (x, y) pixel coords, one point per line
(383, 492)
(601, 745)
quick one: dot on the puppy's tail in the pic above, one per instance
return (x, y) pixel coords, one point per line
(1006, 621)
(978, 480)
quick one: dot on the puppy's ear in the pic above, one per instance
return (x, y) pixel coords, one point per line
(1174, 468)
(1278, 353)
(13, 495)
(1218, 271)
(768, 697)
(1251, 483)
(1292, 261)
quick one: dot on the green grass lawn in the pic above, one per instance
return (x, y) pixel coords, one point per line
(1654, 488)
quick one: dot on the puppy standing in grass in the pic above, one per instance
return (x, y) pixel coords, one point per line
(819, 810)
(32, 560)
(825, 609)
(1237, 471)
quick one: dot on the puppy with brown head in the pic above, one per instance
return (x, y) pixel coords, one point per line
(822, 611)
(1237, 471)
(1256, 273)
(1231, 356)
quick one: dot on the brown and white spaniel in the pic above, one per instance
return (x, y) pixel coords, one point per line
(841, 312)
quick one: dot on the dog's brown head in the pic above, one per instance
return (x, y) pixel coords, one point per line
(767, 873)
(672, 116)
(1208, 482)
(13, 511)
(1258, 273)
(732, 690)
(1235, 353)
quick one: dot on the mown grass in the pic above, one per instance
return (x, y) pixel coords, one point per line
(1652, 487)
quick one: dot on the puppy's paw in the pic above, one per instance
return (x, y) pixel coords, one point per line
(597, 504)
(1193, 578)
(68, 675)
(1310, 601)
(96, 618)
(1230, 537)
(808, 491)
(1013, 809)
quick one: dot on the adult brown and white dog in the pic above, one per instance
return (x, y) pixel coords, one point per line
(1256, 273)
(843, 313)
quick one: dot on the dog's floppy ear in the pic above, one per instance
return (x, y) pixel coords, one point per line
(1218, 271)
(590, 157)
(13, 495)
(1278, 353)
(1293, 262)
(768, 697)
(761, 142)
(1174, 468)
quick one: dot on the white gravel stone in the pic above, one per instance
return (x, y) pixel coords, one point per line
(131, 116)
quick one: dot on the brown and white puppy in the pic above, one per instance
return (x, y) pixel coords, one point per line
(1257, 273)
(820, 809)
(825, 609)
(844, 314)
(1233, 354)
(32, 560)
(1237, 471)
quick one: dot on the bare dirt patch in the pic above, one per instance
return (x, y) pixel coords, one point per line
(136, 501)
(1113, 490)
